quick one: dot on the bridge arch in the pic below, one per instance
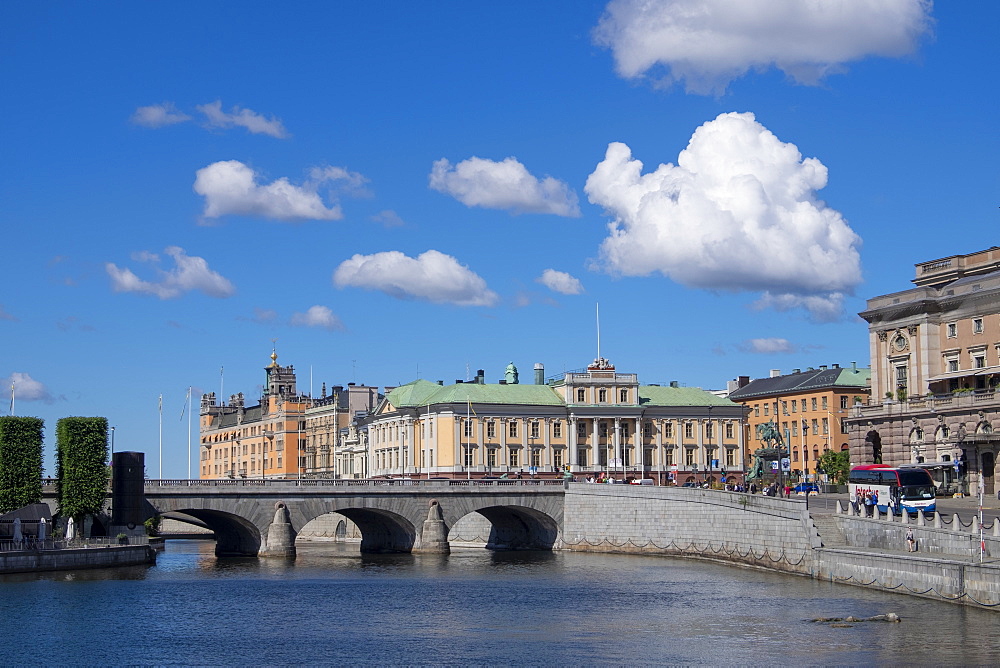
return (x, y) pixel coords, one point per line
(515, 527)
(235, 536)
(382, 530)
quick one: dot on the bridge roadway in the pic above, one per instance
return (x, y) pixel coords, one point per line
(262, 517)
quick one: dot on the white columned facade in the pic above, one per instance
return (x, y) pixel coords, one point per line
(573, 447)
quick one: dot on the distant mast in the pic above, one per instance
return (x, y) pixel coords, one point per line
(598, 307)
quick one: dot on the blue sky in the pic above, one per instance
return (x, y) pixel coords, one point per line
(394, 190)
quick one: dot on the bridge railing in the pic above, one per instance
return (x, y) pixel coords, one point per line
(314, 482)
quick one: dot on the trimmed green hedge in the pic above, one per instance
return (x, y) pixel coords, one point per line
(82, 465)
(20, 462)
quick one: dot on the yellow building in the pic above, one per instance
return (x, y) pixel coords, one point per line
(808, 408)
(262, 441)
(335, 447)
(595, 420)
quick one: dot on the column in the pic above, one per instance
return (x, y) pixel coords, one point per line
(618, 442)
(571, 441)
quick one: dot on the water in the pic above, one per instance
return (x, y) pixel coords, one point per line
(335, 606)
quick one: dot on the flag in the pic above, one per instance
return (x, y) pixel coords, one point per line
(11, 397)
(186, 399)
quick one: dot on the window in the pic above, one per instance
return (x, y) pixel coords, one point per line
(557, 458)
(729, 430)
(647, 430)
(468, 455)
(815, 427)
(668, 457)
(534, 429)
(536, 457)
(784, 408)
(491, 429)
(602, 395)
(709, 430)
(953, 365)
(581, 431)
(688, 457)
(824, 403)
(843, 403)
(557, 429)
(468, 428)
(581, 457)
(515, 458)
(623, 397)
(512, 429)
(688, 430)
(604, 429)
(795, 405)
(980, 362)
(766, 409)
(952, 330)
(491, 457)
(826, 426)
(581, 395)
(977, 326)
(624, 430)
(795, 428)
(668, 429)
(730, 457)
(813, 403)
(901, 377)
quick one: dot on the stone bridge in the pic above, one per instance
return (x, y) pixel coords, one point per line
(262, 517)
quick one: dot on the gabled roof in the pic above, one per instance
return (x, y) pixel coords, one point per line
(805, 381)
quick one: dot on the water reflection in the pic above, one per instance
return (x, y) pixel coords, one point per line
(335, 605)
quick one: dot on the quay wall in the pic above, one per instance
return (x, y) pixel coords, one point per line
(881, 534)
(24, 561)
(756, 530)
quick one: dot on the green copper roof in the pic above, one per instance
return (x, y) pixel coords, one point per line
(656, 395)
(422, 392)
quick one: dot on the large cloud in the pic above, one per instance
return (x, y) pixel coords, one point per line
(738, 212)
(708, 43)
(189, 273)
(561, 282)
(230, 188)
(242, 118)
(506, 185)
(431, 276)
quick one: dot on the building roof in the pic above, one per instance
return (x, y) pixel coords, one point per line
(422, 392)
(806, 381)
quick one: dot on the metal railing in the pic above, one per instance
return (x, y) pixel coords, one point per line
(387, 482)
(32, 544)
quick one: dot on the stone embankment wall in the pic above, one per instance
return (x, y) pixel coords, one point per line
(756, 530)
(25, 561)
(946, 566)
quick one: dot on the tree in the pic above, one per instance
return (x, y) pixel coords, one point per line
(835, 464)
(20, 462)
(81, 465)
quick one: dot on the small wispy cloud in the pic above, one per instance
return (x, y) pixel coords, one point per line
(27, 388)
(768, 346)
(388, 218)
(561, 282)
(317, 316)
(505, 185)
(158, 115)
(239, 117)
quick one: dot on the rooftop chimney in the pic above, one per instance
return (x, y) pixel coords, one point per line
(775, 373)
(674, 383)
(539, 373)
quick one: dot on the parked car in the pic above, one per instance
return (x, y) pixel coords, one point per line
(803, 487)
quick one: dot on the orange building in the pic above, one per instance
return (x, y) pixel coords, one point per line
(262, 441)
(808, 408)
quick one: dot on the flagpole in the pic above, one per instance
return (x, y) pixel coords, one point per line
(161, 437)
(189, 432)
(12, 397)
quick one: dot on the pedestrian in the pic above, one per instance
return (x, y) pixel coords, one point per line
(869, 505)
(911, 543)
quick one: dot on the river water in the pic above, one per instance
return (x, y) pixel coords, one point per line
(334, 606)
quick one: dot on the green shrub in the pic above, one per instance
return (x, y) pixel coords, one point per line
(20, 462)
(81, 465)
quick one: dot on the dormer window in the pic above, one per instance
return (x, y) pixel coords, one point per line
(602, 395)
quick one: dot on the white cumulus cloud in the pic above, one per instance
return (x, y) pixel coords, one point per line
(27, 388)
(505, 185)
(738, 212)
(431, 276)
(317, 316)
(189, 273)
(242, 118)
(561, 282)
(231, 188)
(708, 43)
(158, 115)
